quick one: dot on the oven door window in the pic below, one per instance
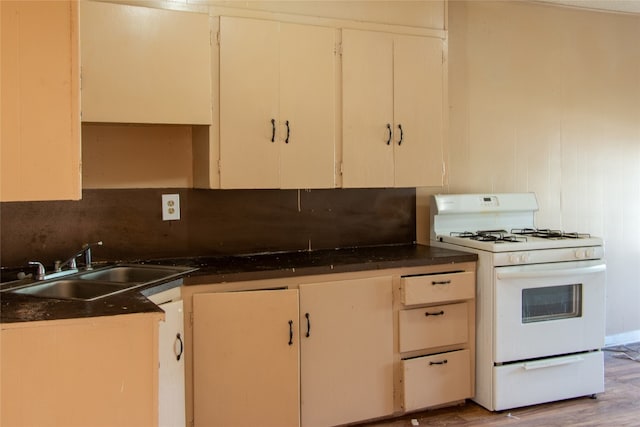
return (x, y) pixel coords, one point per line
(551, 303)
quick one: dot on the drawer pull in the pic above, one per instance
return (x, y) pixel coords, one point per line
(440, 282)
(438, 313)
(442, 362)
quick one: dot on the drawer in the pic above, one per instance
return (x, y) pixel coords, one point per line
(437, 288)
(437, 379)
(434, 326)
(528, 383)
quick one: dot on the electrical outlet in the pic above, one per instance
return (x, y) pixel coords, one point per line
(170, 207)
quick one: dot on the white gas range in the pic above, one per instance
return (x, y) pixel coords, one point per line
(540, 299)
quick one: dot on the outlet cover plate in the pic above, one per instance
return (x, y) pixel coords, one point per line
(170, 207)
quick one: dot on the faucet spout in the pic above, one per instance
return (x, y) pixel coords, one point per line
(71, 262)
(86, 248)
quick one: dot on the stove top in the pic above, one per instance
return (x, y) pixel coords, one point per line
(503, 241)
(497, 223)
(518, 235)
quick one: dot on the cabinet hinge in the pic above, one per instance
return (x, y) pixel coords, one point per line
(341, 169)
(215, 37)
(219, 166)
(338, 49)
(191, 318)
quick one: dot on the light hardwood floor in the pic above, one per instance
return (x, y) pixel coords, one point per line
(618, 406)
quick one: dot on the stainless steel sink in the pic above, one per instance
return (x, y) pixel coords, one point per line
(100, 283)
(132, 273)
(73, 289)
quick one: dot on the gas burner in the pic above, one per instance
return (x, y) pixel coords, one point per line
(549, 234)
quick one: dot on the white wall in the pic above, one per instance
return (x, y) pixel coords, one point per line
(547, 99)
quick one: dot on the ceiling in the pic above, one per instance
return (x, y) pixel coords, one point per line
(629, 6)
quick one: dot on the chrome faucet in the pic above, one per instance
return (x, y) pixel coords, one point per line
(71, 262)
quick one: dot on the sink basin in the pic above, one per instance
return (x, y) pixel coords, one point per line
(132, 273)
(73, 289)
(91, 285)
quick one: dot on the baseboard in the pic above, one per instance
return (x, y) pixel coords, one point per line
(623, 338)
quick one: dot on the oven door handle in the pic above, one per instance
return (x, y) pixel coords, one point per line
(539, 364)
(552, 273)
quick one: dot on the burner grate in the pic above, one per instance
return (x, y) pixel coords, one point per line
(546, 233)
(497, 236)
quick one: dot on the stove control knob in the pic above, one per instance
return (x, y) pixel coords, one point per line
(580, 253)
(518, 258)
(589, 253)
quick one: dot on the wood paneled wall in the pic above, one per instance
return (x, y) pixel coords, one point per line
(547, 99)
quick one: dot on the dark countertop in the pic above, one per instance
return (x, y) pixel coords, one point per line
(218, 269)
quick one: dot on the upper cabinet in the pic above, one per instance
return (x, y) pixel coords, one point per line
(392, 109)
(144, 65)
(40, 148)
(277, 104)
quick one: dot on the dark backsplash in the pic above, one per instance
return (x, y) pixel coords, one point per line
(212, 222)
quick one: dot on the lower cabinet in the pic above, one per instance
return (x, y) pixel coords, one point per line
(100, 371)
(436, 338)
(171, 402)
(346, 359)
(245, 359)
(312, 352)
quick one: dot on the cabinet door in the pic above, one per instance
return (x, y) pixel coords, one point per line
(144, 65)
(418, 109)
(245, 359)
(100, 372)
(277, 104)
(249, 90)
(367, 109)
(346, 354)
(307, 102)
(40, 129)
(171, 402)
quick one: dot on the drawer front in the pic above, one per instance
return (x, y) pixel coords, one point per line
(529, 383)
(437, 288)
(434, 326)
(437, 379)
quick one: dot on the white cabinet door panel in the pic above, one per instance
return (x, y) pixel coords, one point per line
(171, 403)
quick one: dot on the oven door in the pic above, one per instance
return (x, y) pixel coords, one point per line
(549, 309)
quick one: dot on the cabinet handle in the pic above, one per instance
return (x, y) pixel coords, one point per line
(438, 313)
(401, 134)
(286, 141)
(442, 362)
(308, 325)
(441, 282)
(390, 134)
(290, 332)
(273, 130)
(181, 351)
